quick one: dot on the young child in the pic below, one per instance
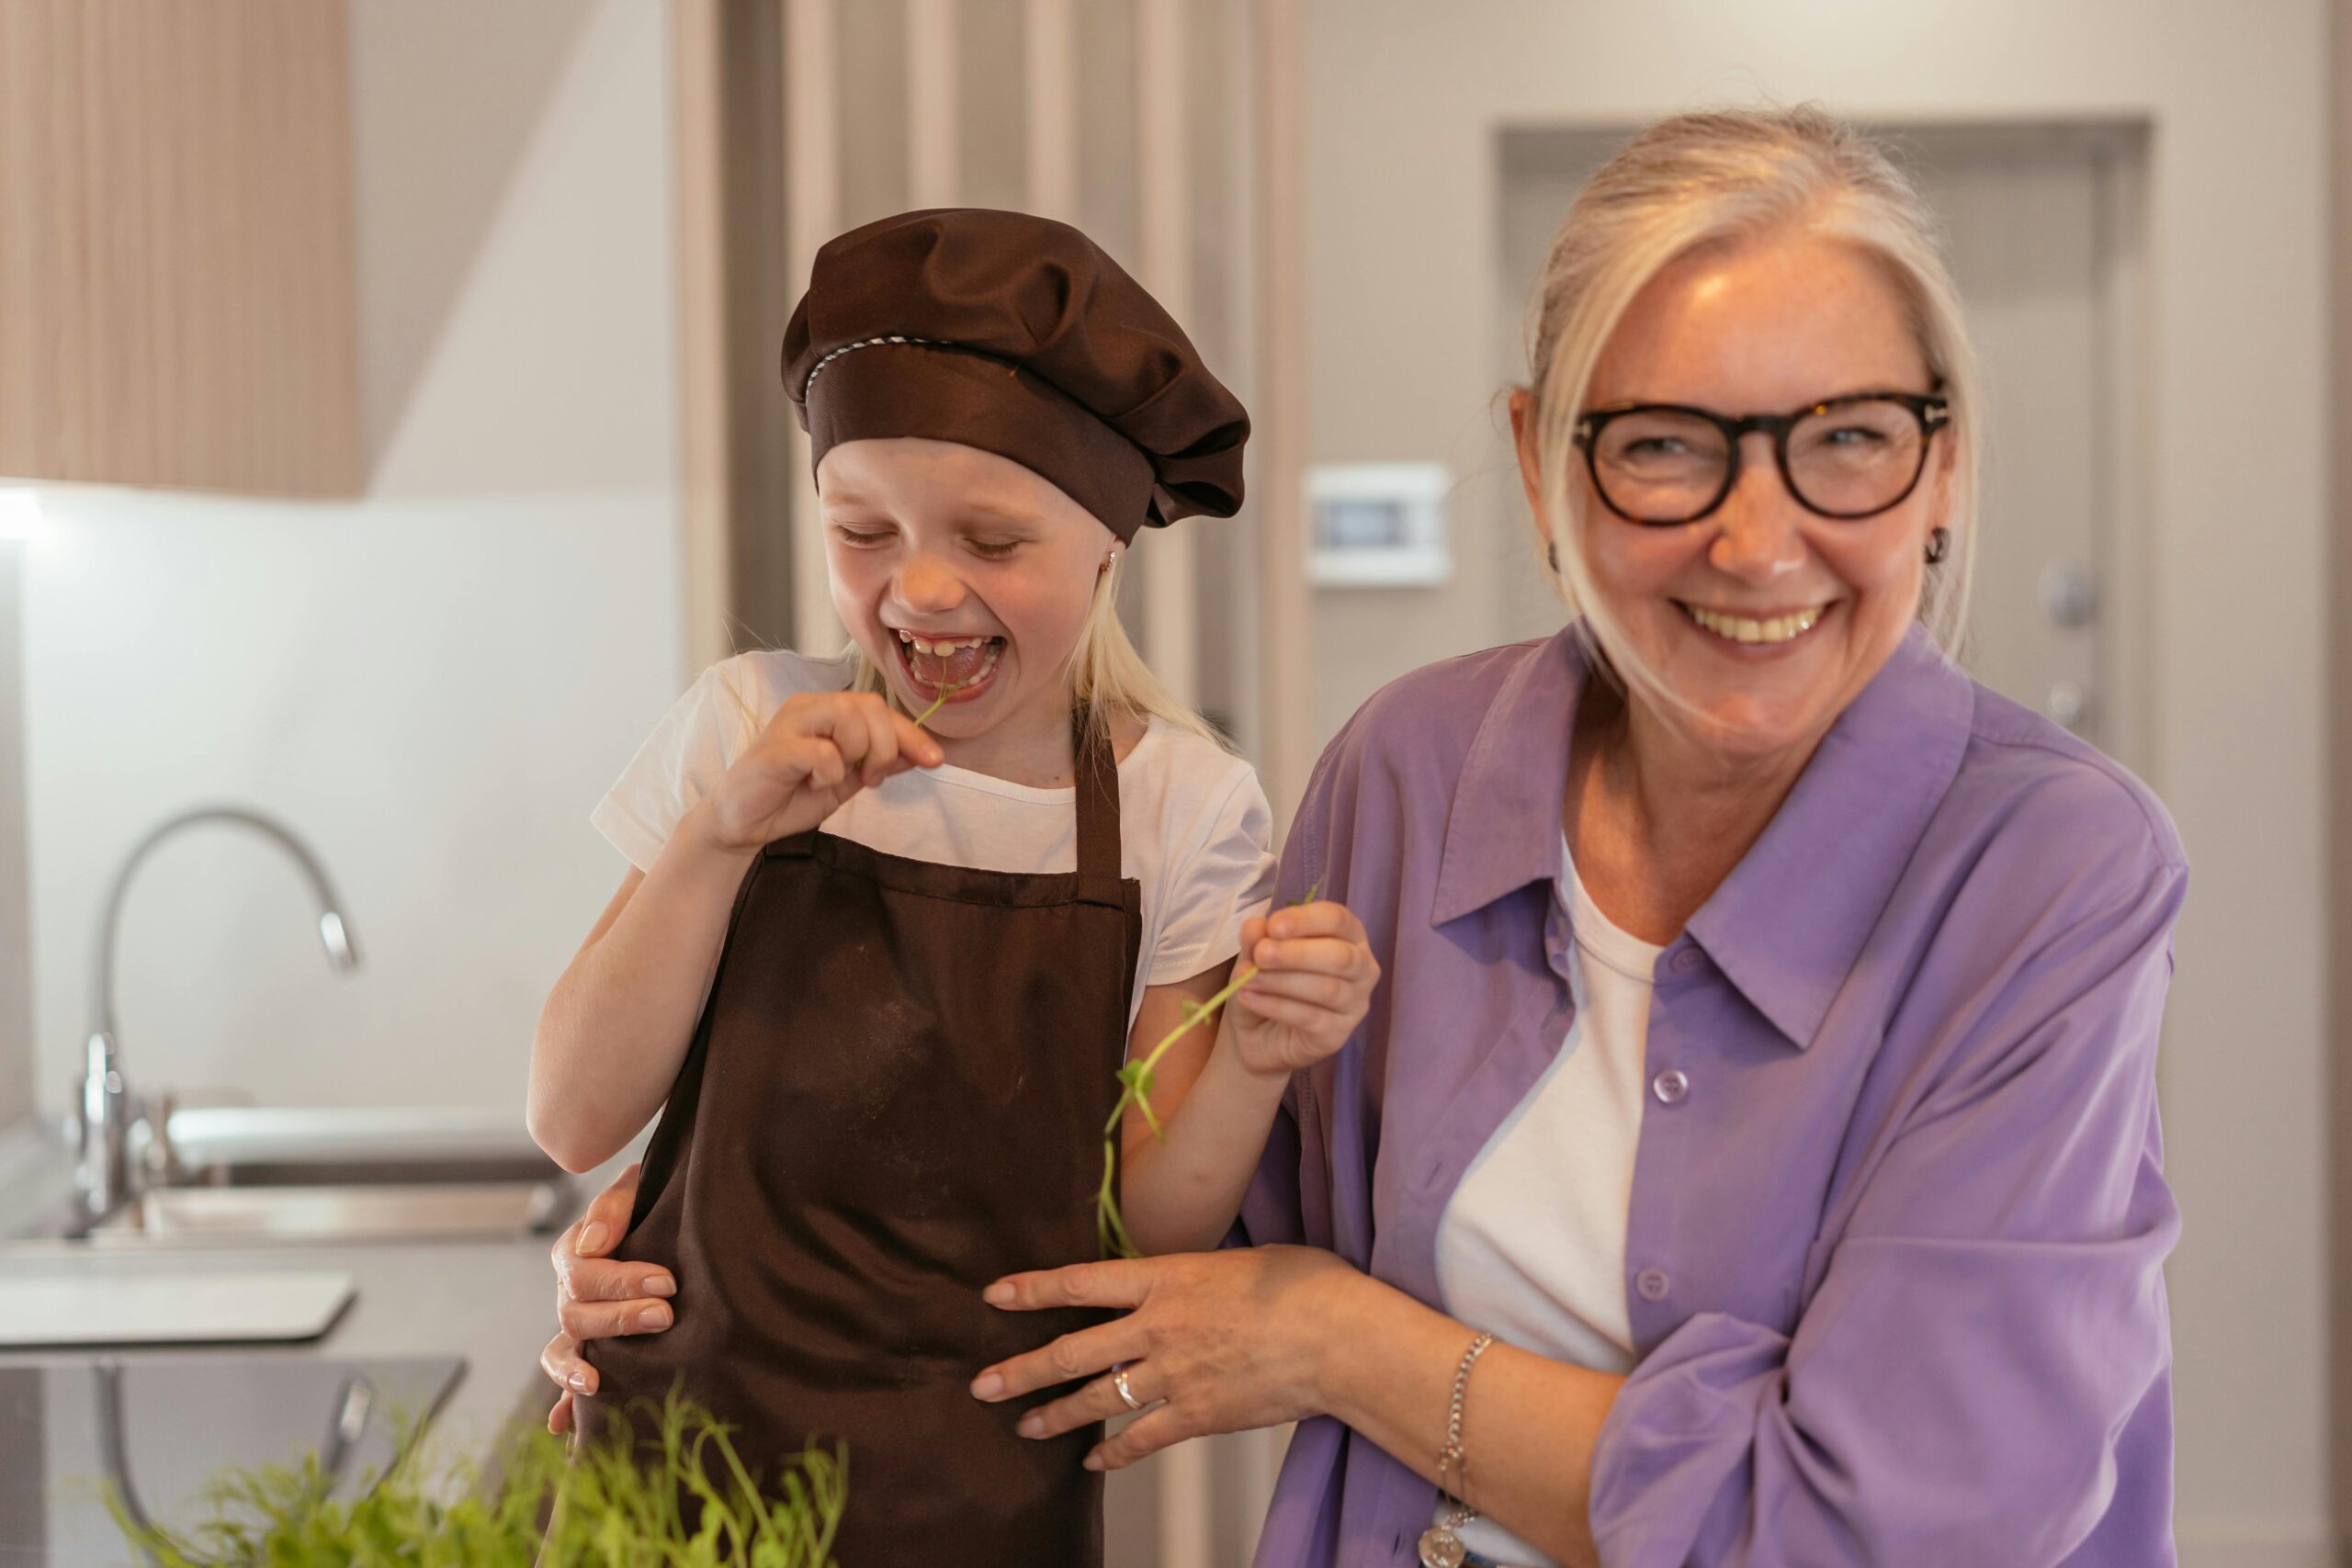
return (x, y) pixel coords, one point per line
(885, 972)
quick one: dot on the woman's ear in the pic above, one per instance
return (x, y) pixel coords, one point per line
(1531, 470)
(1944, 480)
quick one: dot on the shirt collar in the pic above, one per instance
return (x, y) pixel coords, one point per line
(1789, 922)
(1506, 812)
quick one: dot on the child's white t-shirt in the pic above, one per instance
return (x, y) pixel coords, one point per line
(1194, 827)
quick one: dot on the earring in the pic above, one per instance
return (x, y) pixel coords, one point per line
(1939, 545)
(1110, 561)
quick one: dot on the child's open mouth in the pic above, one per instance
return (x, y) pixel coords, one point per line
(957, 669)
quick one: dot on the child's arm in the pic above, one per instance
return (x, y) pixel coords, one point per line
(616, 1025)
(1312, 984)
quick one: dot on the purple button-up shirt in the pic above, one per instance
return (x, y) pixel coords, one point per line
(1894, 1257)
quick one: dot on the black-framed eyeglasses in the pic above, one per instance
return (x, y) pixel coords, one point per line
(1661, 464)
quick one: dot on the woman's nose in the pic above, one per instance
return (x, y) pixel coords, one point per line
(1760, 534)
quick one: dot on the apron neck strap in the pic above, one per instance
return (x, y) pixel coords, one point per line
(1098, 798)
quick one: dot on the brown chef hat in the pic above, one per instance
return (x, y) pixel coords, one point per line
(1015, 334)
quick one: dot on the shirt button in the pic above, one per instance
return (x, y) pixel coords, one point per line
(1687, 960)
(1670, 1085)
(1651, 1284)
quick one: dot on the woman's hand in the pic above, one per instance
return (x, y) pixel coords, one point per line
(820, 748)
(1217, 1341)
(1313, 986)
(597, 1298)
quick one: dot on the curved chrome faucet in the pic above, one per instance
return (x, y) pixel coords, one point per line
(107, 1110)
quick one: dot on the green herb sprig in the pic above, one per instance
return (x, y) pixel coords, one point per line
(1136, 1079)
(607, 1505)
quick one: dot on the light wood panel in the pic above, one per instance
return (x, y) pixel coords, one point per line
(812, 213)
(1286, 689)
(1171, 563)
(698, 72)
(933, 176)
(727, 59)
(177, 299)
(1049, 41)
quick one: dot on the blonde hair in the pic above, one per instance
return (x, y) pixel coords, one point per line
(1108, 676)
(1718, 180)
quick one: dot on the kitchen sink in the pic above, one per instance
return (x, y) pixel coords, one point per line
(247, 1176)
(363, 1206)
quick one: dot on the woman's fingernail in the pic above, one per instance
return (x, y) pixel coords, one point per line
(577, 1382)
(987, 1386)
(662, 1285)
(593, 1238)
(1094, 1460)
(1032, 1424)
(654, 1316)
(997, 1294)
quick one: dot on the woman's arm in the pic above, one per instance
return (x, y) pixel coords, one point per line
(1529, 1424)
(1258, 1335)
(1980, 1367)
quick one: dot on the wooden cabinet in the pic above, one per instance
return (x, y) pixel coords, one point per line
(177, 294)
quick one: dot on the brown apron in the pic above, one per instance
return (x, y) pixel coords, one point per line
(895, 1095)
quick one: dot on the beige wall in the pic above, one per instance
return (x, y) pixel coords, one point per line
(2339, 817)
(1406, 99)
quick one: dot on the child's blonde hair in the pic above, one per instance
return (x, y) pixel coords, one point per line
(1724, 178)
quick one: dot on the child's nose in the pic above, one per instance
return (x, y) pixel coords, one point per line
(927, 583)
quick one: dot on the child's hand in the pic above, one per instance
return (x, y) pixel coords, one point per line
(820, 749)
(1313, 987)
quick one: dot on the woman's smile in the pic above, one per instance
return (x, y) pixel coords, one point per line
(1756, 634)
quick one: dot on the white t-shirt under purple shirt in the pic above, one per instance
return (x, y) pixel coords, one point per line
(1532, 1246)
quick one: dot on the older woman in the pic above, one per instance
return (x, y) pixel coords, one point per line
(1752, 1155)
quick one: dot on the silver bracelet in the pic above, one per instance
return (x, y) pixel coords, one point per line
(1441, 1542)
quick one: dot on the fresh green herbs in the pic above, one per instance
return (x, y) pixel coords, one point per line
(1136, 1084)
(602, 1506)
(933, 708)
